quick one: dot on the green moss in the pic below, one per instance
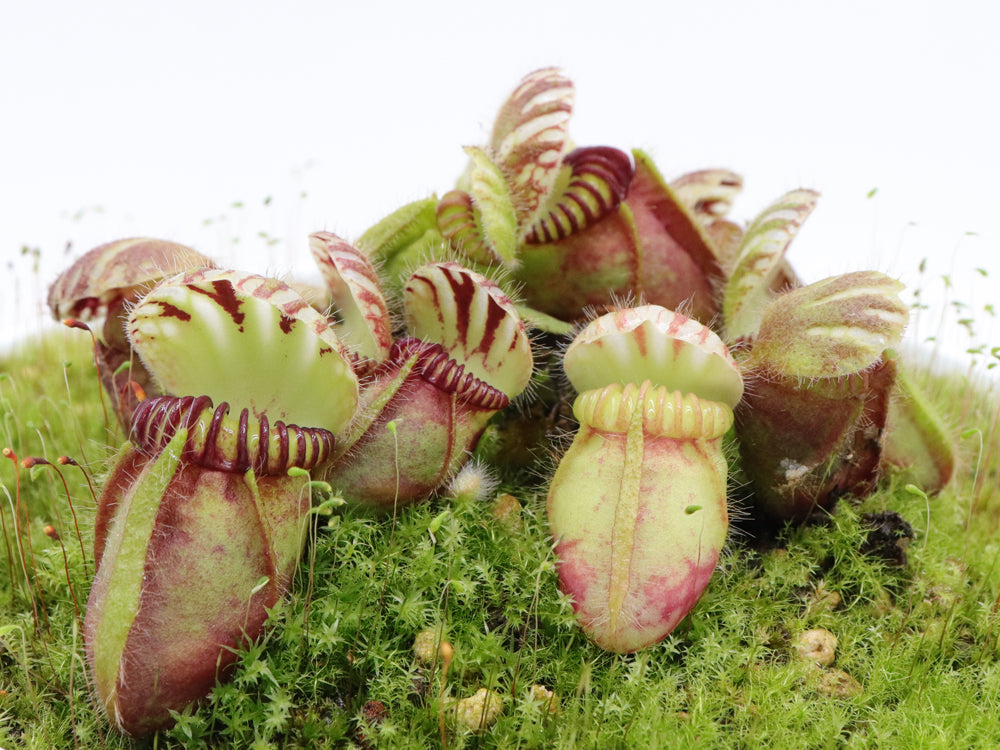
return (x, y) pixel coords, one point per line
(919, 639)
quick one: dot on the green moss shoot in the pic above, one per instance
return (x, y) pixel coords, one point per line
(917, 646)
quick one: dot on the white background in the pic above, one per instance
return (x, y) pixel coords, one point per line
(239, 128)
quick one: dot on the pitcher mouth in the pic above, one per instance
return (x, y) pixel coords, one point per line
(665, 413)
(222, 442)
(434, 365)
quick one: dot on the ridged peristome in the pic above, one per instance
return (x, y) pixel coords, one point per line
(665, 413)
(593, 182)
(217, 440)
(436, 366)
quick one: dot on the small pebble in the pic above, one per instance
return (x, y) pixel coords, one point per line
(817, 646)
(428, 648)
(478, 712)
(836, 683)
(548, 699)
(507, 512)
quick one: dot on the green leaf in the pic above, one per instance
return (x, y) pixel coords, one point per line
(402, 236)
(495, 206)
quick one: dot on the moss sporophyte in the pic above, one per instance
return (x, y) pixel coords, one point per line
(237, 389)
